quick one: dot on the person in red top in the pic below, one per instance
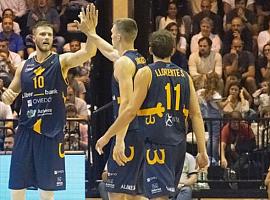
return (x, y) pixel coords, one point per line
(237, 138)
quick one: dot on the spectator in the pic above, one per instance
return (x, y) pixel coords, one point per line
(235, 100)
(239, 31)
(13, 57)
(263, 38)
(180, 41)
(15, 41)
(263, 11)
(263, 64)
(188, 178)
(76, 134)
(247, 16)
(8, 143)
(229, 5)
(9, 13)
(17, 6)
(209, 100)
(206, 12)
(240, 63)
(262, 95)
(79, 103)
(206, 27)
(237, 138)
(196, 8)
(205, 62)
(179, 55)
(41, 10)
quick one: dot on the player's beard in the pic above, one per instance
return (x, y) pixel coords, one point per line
(43, 48)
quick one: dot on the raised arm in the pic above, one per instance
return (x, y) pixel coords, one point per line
(14, 88)
(70, 60)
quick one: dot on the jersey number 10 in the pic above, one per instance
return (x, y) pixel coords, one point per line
(38, 82)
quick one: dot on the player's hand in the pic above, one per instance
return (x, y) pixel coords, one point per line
(202, 160)
(119, 152)
(224, 163)
(88, 19)
(9, 96)
(101, 143)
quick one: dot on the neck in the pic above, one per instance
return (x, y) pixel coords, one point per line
(41, 56)
(166, 60)
(125, 47)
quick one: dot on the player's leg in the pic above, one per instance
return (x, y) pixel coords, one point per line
(18, 194)
(46, 195)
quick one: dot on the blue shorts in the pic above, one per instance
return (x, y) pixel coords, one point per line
(37, 161)
(162, 168)
(127, 179)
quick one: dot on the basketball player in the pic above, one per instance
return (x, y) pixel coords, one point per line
(38, 157)
(126, 151)
(165, 95)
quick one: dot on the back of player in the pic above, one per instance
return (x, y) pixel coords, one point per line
(40, 132)
(125, 179)
(164, 123)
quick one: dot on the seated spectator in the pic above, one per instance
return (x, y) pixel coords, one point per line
(239, 31)
(188, 178)
(81, 73)
(172, 16)
(69, 11)
(229, 5)
(15, 41)
(80, 104)
(196, 6)
(264, 38)
(205, 62)
(13, 57)
(263, 64)
(180, 41)
(76, 131)
(263, 12)
(19, 7)
(206, 27)
(248, 17)
(240, 63)
(9, 13)
(235, 100)
(262, 95)
(41, 10)
(5, 113)
(209, 100)
(8, 143)
(237, 138)
(206, 12)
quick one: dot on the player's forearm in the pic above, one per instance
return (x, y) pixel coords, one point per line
(198, 128)
(104, 47)
(121, 122)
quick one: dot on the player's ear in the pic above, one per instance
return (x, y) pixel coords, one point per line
(118, 37)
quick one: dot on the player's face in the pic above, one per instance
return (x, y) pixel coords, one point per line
(115, 37)
(43, 38)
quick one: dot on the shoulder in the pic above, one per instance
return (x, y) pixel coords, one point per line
(124, 62)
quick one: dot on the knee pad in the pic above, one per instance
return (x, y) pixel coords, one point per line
(18, 194)
(46, 195)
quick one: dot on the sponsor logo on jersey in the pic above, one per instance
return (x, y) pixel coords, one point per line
(128, 187)
(31, 113)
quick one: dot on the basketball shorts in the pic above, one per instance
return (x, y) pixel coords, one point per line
(37, 161)
(127, 179)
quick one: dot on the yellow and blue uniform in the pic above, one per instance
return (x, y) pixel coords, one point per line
(38, 157)
(163, 119)
(125, 179)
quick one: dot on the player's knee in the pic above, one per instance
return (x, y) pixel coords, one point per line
(18, 194)
(46, 195)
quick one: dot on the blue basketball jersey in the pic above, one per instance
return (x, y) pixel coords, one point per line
(165, 109)
(43, 94)
(139, 62)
